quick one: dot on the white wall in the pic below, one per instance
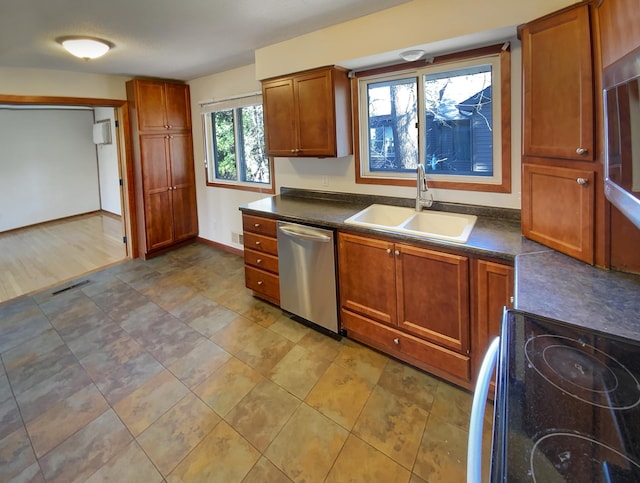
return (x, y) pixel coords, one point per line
(108, 172)
(48, 166)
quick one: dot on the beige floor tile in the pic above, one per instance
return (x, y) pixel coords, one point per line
(168, 440)
(150, 401)
(16, 455)
(222, 456)
(340, 394)
(409, 383)
(299, 370)
(262, 413)
(264, 471)
(392, 425)
(359, 461)
(365, 362)
(262, 313)
(453, 405)
(199, 363)
(129, 465)
(442, 457)
(307, 446)
(237, 334)
(228, 385)
(321, 344)
(289, 328)
(86, 451)
(65, 418)
(264, 352)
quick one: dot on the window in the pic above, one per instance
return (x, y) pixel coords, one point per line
(450, 116)
(234, 138)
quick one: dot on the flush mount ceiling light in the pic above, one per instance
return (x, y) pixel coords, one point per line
(85, 47)
(411, 55)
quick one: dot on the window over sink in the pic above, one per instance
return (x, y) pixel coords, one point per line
(452, 115)
(234, 145)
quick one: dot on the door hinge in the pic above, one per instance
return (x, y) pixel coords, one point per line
(121, 182)
(124, 239)
(117, 123)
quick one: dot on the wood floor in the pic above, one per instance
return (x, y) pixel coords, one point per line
(48, 254)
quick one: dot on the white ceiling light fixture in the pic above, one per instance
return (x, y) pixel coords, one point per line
(86, 48)
(412, 55)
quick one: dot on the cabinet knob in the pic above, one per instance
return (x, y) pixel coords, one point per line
(397, 253)
(169, 188)
(166, 126)
(389, 250)
(257, 225)
(259, 261)
(396, 341)
(581, 151)
(257, 243)
(582, 181)
(260, 282)
(169, 126)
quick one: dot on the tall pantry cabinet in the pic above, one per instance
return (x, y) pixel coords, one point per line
(165, 190)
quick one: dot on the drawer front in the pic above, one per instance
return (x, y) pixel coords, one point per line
(260, 243)
(261, 260)
(256, 224)
(262, 282)
(405, 346)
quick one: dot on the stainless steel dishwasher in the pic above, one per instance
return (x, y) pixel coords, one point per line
(306, 262)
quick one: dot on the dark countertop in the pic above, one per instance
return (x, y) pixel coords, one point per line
(547, 283)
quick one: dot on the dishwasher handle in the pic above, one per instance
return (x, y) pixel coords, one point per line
(474, 449)
(297, 231)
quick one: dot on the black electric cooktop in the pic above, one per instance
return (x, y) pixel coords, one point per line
(567, 404)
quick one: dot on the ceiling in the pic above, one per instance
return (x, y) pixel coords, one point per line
(176, 39)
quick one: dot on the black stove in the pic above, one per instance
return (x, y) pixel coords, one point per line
(567, 404)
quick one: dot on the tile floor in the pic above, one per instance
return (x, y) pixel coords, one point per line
(169, 370)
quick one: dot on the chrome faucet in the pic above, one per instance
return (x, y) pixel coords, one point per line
(423, 187)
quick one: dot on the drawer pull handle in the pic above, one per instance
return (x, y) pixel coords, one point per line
(257, 225)
(259, 261)
(396, 341)
(582, 181)
(257, 243)
(260, 282)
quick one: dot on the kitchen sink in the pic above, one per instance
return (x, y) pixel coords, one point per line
(429, 224)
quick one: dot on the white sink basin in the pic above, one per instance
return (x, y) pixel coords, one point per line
(429, 224)
(382, 216)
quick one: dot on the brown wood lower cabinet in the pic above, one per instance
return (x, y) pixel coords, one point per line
(261, 257)
(435, 310)
(409, 301)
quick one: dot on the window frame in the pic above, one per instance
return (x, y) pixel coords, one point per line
(207, 134)
(501, 184)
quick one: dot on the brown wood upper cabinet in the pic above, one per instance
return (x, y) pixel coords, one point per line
(619, 22)
(164, 176)
(558, 173)
(558, 95)
(165, 105)
(308, 114)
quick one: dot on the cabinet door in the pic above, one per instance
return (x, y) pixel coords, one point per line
(156, 190)
(557, 208)
(185, 218)
(367, 277)
(150, 104)
(433, 296)
(558, 86)
(494, 286)
(619, 22)
(279, 118)
(315, 114)
(177, 106)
